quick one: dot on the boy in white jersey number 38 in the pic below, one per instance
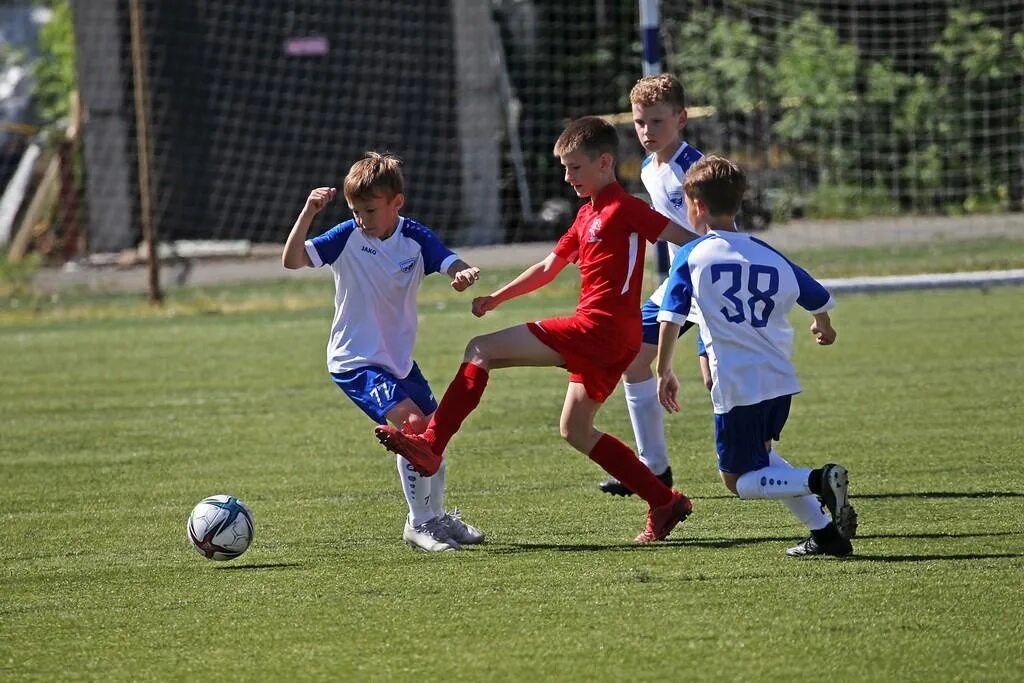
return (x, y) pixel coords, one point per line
(379, 260)
(741, 291)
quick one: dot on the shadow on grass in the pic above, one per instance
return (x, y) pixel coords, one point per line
(254, 567)
(515, 548)
(940, 494)
(675, 543)
(855, 495)
(931, 558)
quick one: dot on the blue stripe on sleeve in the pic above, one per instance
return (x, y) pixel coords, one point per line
(687, 156)
(434, 251)
(330, 244)
(679, 290)
(813, 295)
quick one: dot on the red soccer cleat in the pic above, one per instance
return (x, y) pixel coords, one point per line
(663, 519)
(412, 447)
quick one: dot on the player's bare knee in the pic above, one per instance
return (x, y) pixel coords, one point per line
(417, 423)
(571, 433)
(564, 430)
(638, 374)
(476, 353)
(577, 436)
(729, 480)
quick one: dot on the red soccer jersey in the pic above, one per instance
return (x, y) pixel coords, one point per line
(607, 242)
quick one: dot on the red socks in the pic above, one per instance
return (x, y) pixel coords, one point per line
(619, 460)
(459, 400)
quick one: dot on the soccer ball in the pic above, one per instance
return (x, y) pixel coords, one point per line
(220, 527)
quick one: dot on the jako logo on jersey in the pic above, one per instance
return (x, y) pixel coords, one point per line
(595, 227)
(369, 250)
(676, 197)
(407, 264)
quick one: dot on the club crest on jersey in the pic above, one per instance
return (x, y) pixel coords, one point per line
(407, 264)
(676, 197)
(593, 230)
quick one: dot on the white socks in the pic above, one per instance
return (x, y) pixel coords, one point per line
(788, 484)
(423, 495)
(437, 483)
(648, 419)
(773, 482)
(808, 509)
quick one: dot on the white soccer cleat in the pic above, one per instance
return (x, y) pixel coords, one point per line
(430, 536)
(462, 533)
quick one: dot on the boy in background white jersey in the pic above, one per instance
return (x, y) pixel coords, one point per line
(379, 260)
(743, 290)
(659, 116)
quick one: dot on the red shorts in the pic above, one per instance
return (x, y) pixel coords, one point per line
(595, 355)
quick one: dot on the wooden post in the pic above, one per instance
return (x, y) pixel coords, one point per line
(142, 144)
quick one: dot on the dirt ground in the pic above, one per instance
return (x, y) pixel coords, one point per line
(263, 261)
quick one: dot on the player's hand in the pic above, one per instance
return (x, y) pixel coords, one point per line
(482, 304)
(465, 278)
(824, 333)
(668, 391)
(319, 198)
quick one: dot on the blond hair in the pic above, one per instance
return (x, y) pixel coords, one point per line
(591, 134)
(651, 90)
(717, 182)
(374, 174)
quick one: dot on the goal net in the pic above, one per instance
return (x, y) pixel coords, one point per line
(859, 109)
(895, 114)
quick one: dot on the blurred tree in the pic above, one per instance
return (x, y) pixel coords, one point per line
(55, 69)
(817, 102)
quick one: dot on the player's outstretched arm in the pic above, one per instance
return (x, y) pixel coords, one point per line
(677, 234)
(294, 254)
(534, 277)
(463, 275)
(668, 384)
(822, 329)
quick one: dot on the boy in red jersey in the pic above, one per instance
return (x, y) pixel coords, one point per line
(607, 243)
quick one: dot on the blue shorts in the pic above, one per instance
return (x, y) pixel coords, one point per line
(376, 391)
(740, 434)
(649, 314)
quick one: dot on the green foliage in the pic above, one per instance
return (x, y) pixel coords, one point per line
(831, 200)
(945, 138)
(818, 100)
(55, 69)
(16, 278)
(721, 62)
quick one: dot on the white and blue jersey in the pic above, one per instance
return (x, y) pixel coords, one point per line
(664, 184)
(376, 282)
(743, 290)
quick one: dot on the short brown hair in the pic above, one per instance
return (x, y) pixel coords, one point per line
(374, 174)
(717, 182)
(592, 134)
(661, 88)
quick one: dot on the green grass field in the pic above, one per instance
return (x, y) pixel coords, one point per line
(114, 425)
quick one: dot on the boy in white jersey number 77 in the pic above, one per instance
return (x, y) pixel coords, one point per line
(379, 260)
(743, 290)
(659, 116)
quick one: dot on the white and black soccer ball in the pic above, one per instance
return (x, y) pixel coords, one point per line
(220, 527)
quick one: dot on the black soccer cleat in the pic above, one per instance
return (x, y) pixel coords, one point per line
(617, 488)
(834, 485)
(832, 545)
